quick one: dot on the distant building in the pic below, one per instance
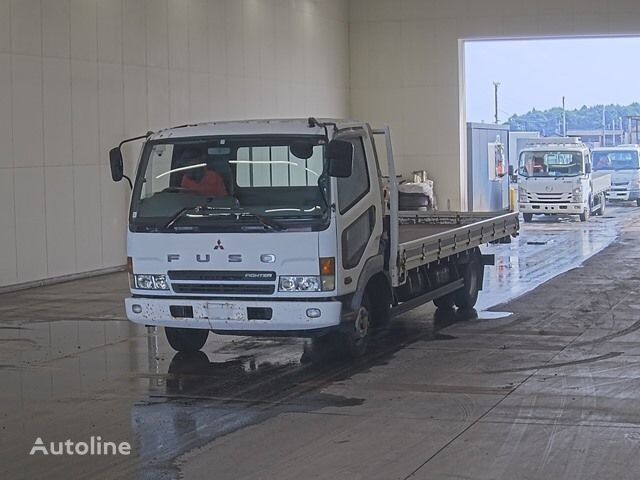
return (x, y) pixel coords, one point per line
(599, 138)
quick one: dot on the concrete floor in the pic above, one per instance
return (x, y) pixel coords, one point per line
(549, 391)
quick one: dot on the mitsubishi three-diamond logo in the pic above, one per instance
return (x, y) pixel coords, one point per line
(218, 246)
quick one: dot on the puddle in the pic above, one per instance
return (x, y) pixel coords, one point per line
(486, 315)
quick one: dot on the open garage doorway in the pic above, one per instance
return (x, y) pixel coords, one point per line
(514, 90)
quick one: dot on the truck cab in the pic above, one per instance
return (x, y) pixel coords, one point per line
(555, 178)
(623, 163)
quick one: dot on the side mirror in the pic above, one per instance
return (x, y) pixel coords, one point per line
(340, 156)
(117, 166)
(587, 168)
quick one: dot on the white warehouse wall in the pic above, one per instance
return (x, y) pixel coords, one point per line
(77, 76)
(405, 66)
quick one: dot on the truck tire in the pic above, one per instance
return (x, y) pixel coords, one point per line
(638, 202)
(355, 340)
(584, 216)
(467, 296)
(186, 339)
(446, 302)
(603, 204)
(527, 217)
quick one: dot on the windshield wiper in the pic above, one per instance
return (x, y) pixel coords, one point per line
(187, 210)
(224, 212)
(265, 221)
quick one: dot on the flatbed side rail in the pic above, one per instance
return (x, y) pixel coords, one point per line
(432, 248)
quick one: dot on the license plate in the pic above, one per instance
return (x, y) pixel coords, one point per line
(226, 311)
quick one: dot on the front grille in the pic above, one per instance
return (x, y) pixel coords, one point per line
(223, 288)
(550, 197)
(222, 276)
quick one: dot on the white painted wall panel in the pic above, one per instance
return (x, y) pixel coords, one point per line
(61, 242)
(6, 127)
(26, 27)
(27, 110)
(57, 111)
(55, 28)
(8, 261)
(5, 25)
(88, 224)
(30, 211)
(84, 22)
(76, 76)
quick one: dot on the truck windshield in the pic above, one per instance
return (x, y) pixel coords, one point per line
(261, 183)
(616, 160)
(551, 164)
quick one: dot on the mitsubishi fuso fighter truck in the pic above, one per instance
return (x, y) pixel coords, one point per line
(281, 228)
(555, 178)
(623, 163)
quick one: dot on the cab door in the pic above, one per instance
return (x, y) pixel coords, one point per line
(358, 211)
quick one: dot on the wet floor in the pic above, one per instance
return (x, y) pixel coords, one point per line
(441, 394)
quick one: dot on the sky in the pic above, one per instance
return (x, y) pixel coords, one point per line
(537, 73)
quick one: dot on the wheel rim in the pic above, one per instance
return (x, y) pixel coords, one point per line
(361, 328)
(473, 280)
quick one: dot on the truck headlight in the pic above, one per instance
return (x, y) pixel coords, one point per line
(150, 282)
(577, 194)
(309, 283)
(634, 184)
(522, 194)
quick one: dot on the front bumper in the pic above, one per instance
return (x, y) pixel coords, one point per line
(287, 317)
(552, 208)
(623, 194)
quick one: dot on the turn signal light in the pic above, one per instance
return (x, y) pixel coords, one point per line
(328, 266)
(328, 273)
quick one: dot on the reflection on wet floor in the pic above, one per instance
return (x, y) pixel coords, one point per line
(72, 368)
(546, 248)
(207, 395)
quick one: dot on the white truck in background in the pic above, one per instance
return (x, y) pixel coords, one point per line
(555, 177)
(623, 162)
(296, 238)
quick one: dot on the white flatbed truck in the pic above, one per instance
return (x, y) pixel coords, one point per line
(300, 242)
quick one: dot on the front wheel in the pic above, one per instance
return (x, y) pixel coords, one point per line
(527, 217)
(584, 216)
(356, 339)
(186, 339)
(638, 202)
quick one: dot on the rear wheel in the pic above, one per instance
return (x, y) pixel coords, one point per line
(527, 217)
(186, 339)
(446, 302)
(467, 296)
(603, 204)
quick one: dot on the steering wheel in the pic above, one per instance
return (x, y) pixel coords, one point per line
(175, 190)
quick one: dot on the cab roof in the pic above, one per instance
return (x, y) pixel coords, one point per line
(625, 147)
(293, 126)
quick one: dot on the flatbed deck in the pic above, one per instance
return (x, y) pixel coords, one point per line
(425, 237)
(410, 232)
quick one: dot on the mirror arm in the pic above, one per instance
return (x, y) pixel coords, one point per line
(139, 137)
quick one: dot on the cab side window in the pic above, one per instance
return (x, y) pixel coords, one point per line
(353, 188)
